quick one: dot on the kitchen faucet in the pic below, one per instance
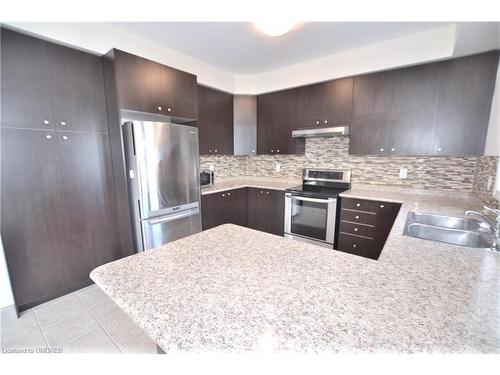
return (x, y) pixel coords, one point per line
(494, 225)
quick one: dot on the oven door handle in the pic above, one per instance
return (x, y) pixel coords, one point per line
(317, 200)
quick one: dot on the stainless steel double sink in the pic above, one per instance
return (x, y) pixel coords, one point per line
(460, 231)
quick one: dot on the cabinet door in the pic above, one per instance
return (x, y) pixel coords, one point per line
(206, 114)
(78, 90)
(326, 104)
(87, 197)
(26, 82)
(212, 210)
(372, 101)
(256, 209)
(465, 96)
(224, 124)
(235, 206)
(30, 210)
(265, 123)
(413, 110)
(275, 211)
(180, 94)
(139, 83)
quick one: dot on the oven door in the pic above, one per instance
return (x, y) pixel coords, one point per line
(310, 218)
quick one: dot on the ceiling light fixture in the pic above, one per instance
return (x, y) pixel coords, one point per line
(274, 27)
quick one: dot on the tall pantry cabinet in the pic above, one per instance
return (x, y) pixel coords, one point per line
(57, 189)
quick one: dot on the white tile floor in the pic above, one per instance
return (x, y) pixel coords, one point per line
(85, 321)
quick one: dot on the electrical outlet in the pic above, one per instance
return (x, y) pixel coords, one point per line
(277, 167)
(211, 167)
(490, 182)
(403, 173)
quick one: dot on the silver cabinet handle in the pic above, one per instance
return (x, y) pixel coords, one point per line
(278, 151)
(62, 123)
(169, 109)
(64, 138)
(272, 150)
(46, 122)
(354, 245)
(253, 151)
(382, 206)
(261, 192)
(358, 204)
(440, 149)
(267, 192)
(223, 195)
(209, 150)
(159, 108)
(317, 122)
(228, 194)
(326, 121)
(357, 217)
(393, 149)
(356, 229)
(48, 136)
(215, 151)
(381, 149)
(317, 200)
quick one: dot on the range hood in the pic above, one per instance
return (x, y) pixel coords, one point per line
(336, 131)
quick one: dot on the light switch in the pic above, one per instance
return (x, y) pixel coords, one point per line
(131, 174)
(277, 167)
(403, 173)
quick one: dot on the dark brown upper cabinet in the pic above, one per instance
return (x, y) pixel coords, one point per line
(325, 104)
(49, 86)
(372, 99)
(464, 104)
(147, 86)
(439, 108)
(215, 122)
(276, 118)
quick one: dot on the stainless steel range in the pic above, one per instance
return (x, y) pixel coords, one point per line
(311, 208)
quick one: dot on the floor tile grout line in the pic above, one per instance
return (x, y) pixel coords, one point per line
(41, 329)
(100, 324)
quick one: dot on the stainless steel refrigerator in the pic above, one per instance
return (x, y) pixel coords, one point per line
(162, 162)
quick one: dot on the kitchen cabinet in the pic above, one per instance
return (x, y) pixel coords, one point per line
(325, 104)
(57, 210)
(275, 121)
(49, 86)
(58, 198)
(215, 122)
(227, 207)
(266, 210)
(245, 124)
(147, 86)
(372, 100)
(439, 108)
(364, 226)
(464, 104)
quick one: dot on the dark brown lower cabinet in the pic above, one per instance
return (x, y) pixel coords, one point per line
(260, 209)
(266, 210)
(227, 207)
(57, 209)
(365, 225)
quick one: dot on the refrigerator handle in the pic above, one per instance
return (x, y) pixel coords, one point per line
(178, 216)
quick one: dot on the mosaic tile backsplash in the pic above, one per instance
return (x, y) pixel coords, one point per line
(486, 167)
(424, 172)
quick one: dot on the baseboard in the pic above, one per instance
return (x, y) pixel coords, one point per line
(52, 296)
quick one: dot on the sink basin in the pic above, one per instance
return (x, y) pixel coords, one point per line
(460, 231)
(448, 235)
(443, 221)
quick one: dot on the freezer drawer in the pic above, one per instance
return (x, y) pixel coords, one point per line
(161, 230)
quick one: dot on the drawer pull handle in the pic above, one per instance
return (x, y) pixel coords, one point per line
(356, 229)
(354, 245)
(381, 206)
(357, 217)
(358, 204)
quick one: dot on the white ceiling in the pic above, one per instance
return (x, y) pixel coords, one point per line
(241, 49)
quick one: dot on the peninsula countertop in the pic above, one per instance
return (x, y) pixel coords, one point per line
(235, 289)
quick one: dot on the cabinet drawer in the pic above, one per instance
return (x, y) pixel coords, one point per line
(359, 246)
(360, 204)
(358, 229)
(358, 217)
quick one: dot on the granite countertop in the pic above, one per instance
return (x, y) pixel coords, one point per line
(235, 289)
(229, 183)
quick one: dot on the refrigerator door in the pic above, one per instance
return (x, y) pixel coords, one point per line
(167, 162)
(161, 230)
